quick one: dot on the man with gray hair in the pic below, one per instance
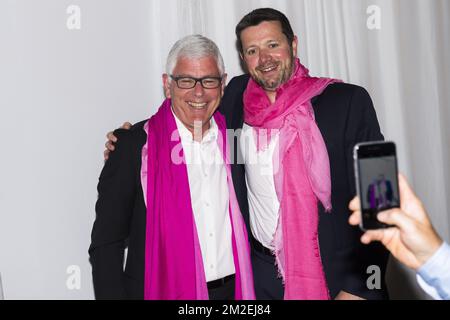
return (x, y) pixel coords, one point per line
(161, 195)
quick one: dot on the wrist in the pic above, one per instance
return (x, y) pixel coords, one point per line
(433, 244)
(431, 251)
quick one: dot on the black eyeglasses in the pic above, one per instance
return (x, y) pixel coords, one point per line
(190, 82)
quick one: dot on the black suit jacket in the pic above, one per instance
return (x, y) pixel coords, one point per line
(120, 221)
(345, 116)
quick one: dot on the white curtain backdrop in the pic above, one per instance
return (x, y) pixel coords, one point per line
(61, 90)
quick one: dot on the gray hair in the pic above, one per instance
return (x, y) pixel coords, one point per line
(194, 47)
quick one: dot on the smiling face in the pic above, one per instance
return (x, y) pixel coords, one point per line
(268, 55)
(194, 107)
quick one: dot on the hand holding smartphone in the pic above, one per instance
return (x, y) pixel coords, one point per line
(376, 181)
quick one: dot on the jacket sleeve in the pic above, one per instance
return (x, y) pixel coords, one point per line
(366, 267)
(114, 207)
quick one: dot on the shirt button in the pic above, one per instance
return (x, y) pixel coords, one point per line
(212, 266)
(211, 234)
(207, 204)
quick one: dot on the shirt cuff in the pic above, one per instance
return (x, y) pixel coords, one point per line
(436, 272)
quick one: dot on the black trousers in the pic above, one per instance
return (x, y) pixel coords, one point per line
(224, 292)
(268, 286)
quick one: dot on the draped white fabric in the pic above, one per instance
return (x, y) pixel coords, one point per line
(68, 88)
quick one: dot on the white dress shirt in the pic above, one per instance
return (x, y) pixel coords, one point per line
(210, 200)
(262, 198)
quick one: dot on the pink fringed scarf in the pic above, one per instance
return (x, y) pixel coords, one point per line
(173, 260)
(303, 177)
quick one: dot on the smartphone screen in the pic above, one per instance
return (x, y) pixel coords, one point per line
(376, 179)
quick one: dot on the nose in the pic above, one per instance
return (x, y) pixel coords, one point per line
(264, 56)
(198, 89)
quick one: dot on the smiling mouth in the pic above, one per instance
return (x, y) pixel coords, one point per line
(268, 68)
(197, 105)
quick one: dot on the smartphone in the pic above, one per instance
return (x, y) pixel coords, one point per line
(376, 180)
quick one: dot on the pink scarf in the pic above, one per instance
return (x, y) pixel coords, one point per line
(303, 178)
(173, 259)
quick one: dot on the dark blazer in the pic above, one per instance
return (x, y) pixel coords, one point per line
(345, 116)
(120, 221)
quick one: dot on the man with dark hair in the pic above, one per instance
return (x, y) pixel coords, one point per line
(260, 15)
(301, 130)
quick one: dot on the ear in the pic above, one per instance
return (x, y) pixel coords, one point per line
(224, 81)
(166, 85)
(294, 46)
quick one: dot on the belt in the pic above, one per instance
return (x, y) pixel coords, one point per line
(219, 282)
(260, 248)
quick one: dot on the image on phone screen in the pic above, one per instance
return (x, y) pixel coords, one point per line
(376, 166)
(379, 183)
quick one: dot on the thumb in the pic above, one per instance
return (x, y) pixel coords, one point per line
(406, 193)
(395, 217)
(409, 202)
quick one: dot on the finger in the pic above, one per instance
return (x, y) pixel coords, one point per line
(111, 137)
(126, 125)
(106, 155)
(372, 235)
(355, 218)
(355, 204)
(109, 146)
